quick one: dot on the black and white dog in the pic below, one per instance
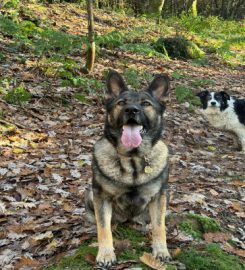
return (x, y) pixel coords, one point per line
(224, 112)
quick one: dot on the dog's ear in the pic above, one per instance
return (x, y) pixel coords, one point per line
(225, 95)
(203, 94)
(159, 87)
(115, 84)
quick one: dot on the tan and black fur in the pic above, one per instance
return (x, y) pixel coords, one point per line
(128, 183)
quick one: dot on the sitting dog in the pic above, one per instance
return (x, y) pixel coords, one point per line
(130, 165)
(225, 112)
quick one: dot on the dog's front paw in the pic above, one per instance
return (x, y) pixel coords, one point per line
(106, 257)
(160, 251)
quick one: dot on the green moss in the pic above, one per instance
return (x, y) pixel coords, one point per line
(185, 94)
(138, 245)
(196, 225)
(178, 47)
(193, 51)
(76, 261)
(210, 258)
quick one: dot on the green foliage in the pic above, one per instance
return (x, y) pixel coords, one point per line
(58, 66)
(40, 41)
(202, 82)
(88, 85)
(80, 97)
(225, 38)
(142, 48)
(132, 77)
(184, 94)
(178, 47)
(193, 51)
(17, 95)
(200, 62)
(176, 75)
(10, 3)
(210, 258)
(135, 34)
(135, 78)
(110, 40)
(2, 57)
(196, 225)
(56, 42)
(76, 261)
(7, 26)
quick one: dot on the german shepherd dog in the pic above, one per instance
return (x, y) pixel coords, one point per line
(130, 165)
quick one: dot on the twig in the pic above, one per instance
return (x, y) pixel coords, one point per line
(11, 123)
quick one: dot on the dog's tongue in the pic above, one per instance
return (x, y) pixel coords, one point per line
(131, 136)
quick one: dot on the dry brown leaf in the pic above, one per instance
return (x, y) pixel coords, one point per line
(25, 262)
(121, 245)
(228, 248)
(152, 262)
(213, 192)
(176, 252)
(90, 258)
(238, 183)
(217, 237)
(237, 206)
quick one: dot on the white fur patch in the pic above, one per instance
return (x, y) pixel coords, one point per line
(226, 120)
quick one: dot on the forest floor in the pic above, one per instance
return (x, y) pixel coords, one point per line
(46, 145)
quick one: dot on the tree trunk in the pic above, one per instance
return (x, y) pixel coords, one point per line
(155, 8)
(91, 49)
(194, 8)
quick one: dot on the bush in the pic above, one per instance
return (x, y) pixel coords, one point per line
(17, 96)
(110, 40)
(178, 47)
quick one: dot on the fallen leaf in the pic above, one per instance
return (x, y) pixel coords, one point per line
(237, 206)
(18, 150)
(176, 252)
(2, 208)
(217, 237)
(52, 245)
(152, 262)
(121, 245)
(42, 236)
(90, 258)
(229, 248)
(26, 263)
(213, 192)
(238, 183)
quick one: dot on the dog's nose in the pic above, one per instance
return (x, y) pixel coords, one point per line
(132, 109)
(213, 103)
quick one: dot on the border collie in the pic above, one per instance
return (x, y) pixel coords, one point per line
(224, 112)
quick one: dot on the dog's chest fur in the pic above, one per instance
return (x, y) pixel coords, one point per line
(132, 170)
(130, 182)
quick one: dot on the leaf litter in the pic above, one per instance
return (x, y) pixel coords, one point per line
(46, 153)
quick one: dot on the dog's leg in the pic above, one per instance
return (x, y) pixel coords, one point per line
(157, 210)
(103, 213)
(236, 142)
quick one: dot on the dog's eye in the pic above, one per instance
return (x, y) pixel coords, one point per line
(146, 103)
(121, 103)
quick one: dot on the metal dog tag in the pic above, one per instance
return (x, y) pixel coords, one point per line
(148, 169)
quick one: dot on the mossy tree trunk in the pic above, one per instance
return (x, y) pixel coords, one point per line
(91, 49)
(155, 8)
(194, 8)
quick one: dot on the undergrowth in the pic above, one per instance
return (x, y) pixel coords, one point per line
(209, 258)
(196, 225)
